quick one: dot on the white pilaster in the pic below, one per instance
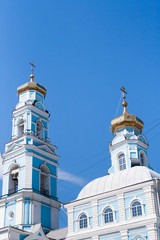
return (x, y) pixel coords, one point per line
(2, 215)
(121, 207)
(19, 208)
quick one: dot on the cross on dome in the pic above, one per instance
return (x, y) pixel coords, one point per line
(32, 75)
(124, 103)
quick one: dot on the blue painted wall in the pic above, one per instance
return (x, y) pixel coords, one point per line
(46, 216)
(35, 179)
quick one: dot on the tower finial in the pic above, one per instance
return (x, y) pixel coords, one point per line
(124, 103)
(32, 75)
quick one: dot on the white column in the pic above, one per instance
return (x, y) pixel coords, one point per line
(28, 171)
(94, 214)
(70, 221)
(150, 200)
(2, 215)
(121, 207)
(124, 235)
(152, 232)
(19, 208)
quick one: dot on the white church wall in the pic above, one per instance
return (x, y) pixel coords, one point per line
(142, 233)
(107, 203)
(121, 199)
(2, 215)
(19, 212)
(132, 196)
(77, 211)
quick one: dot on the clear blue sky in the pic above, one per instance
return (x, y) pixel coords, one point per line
(83, 51)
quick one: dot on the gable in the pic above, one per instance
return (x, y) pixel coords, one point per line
(13, 146)
(36, 233)
(46, 149)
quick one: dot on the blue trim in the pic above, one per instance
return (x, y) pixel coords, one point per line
(41, 155)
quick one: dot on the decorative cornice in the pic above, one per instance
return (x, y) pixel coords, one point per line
(31, 86)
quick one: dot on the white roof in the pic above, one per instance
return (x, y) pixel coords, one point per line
(58, 234)
(118, 180)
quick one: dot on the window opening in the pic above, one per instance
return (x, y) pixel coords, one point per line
(83, 221)
(108, 215)
(13, 179)
(122, 162)
(142, 159)
(21, 128)
(44, 180)
(136, 209)
(39, 130)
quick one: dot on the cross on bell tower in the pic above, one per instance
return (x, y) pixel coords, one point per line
(32, 75)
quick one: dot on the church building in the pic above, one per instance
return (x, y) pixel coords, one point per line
(123, 205)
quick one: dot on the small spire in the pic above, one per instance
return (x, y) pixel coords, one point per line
(32, 75)
(124, 103)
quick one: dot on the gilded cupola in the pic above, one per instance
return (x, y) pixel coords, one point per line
(126, 119)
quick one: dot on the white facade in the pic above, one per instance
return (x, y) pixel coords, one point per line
(118, 192)
(123, 205)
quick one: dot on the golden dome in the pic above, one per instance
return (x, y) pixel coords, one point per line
(126, 119)
(31, 86)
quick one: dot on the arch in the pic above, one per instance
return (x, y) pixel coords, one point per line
(121, 161)
(44, 168)
(108, 215)
(83, 221)
(40, 106)
(139, 237)
(117, 139)
(143, 139)
(136, 208)
(132, 137)
(13, 178)
(44, 180)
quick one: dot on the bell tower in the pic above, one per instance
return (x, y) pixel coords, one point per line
(29, 194)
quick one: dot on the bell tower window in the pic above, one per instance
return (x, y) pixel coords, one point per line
(39, 130)
(122, 162)
(21, 128)
(142, 159)
(13, 179)
(44, 180)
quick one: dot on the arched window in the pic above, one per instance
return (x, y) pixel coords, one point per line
(122, 162)
(44, 179)
(142, 159)
(136, 209)
(83, 221)
(39, 130)
(108, 215)
(21, 128)
(13, 179)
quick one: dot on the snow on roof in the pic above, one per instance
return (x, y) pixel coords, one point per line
(118, 180)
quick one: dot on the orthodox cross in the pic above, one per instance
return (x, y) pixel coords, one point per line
(32, 65)
(124, 92)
